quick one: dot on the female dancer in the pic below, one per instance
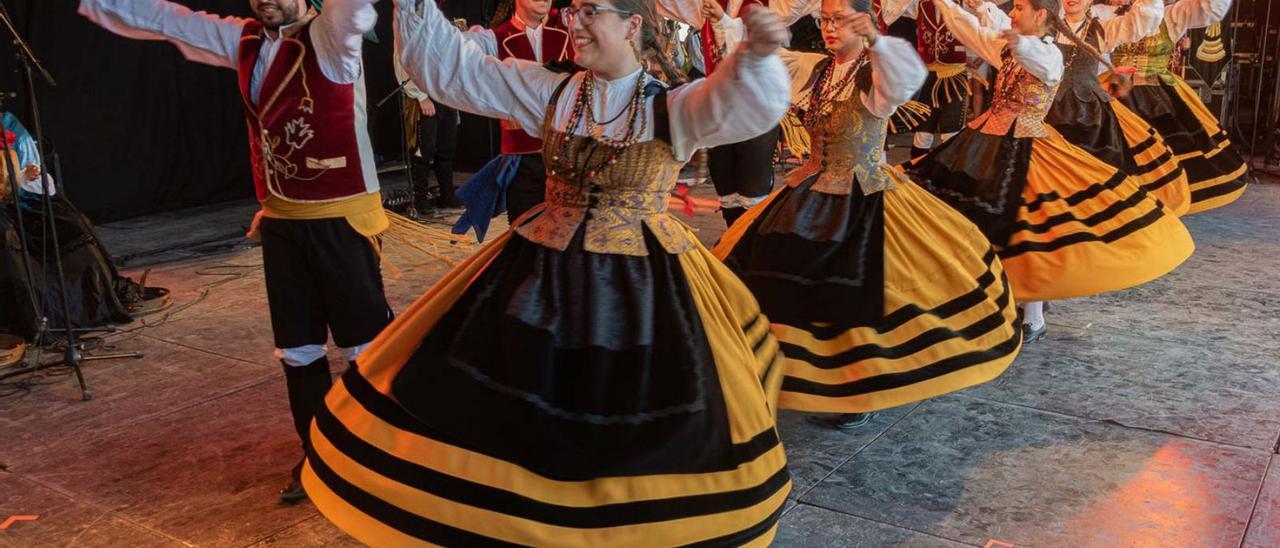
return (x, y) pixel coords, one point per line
(1215, 169)
(1066, 224)
(594, 376)
(1086, 114)
(880, 293)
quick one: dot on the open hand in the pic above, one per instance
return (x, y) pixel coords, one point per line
(32, 172)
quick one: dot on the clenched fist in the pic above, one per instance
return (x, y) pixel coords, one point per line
(862, 25)
(1011, 37)
(765, 31)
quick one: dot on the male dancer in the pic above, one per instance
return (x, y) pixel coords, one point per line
(302, 81)
(532, 34)
(741, 172)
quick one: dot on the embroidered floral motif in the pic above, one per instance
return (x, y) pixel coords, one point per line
(847, 145)
(297, 133)
(1150, 56)
(1021, 102)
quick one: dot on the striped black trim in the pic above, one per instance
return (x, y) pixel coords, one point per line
(1145, 144)
(1220, 189)
(1132, 201)
(774, 360)
(1140, 223)
(773, 357)
(764, 335)
(1088, 193)
(1167, 178)
(746, 535)
(906, 378)
(392, 516)
(1200, 169)
(909, 312)
(505, 502)
(920, 342)
(386, 409)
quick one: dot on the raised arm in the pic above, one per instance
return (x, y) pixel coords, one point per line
(1141, 21)
(729, 31)
(338, 35)
(201, 37)
(800, 65)
(1038, 55)
(892, 10)
(402, 76)
(485, 38)
(992, 17)
(456, 72)
(983, 41)
(745, 97)
(688, 12)
(1194, 14)
(792, 10)
(896, 74)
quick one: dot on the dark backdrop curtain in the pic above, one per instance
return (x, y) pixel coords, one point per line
(137, 128)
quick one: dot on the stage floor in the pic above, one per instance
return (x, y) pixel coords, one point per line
(1148, 417)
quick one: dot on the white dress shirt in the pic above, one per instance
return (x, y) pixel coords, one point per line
(205, 38)
(1038, 55)
(1181, 16)
(744, 99)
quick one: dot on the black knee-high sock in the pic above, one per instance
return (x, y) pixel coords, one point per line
(307, 385)
(731, 214)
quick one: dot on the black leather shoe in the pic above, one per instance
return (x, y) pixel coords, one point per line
(1030, 335)
(294, 493)
(847, 421)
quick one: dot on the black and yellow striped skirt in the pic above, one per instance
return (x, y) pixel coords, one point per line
(1216, 172)
(560, 398)
(1110, 132)
(877, 300)
(1064, 223)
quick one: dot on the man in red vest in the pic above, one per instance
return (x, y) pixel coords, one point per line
(302, 81)
(946, 91)
(741, 172)
(517, 177)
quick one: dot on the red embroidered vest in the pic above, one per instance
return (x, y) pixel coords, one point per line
(513, 43)
(304, 130)
(936, 44)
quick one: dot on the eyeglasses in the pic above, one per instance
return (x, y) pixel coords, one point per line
(833, 21)
(588, 13)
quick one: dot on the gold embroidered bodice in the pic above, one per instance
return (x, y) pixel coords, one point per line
(1150, 56)
(616, 203)
(848, 144)
(1021, 101)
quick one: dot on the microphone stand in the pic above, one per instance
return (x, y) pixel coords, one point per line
(405, 153)
(72, 356)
